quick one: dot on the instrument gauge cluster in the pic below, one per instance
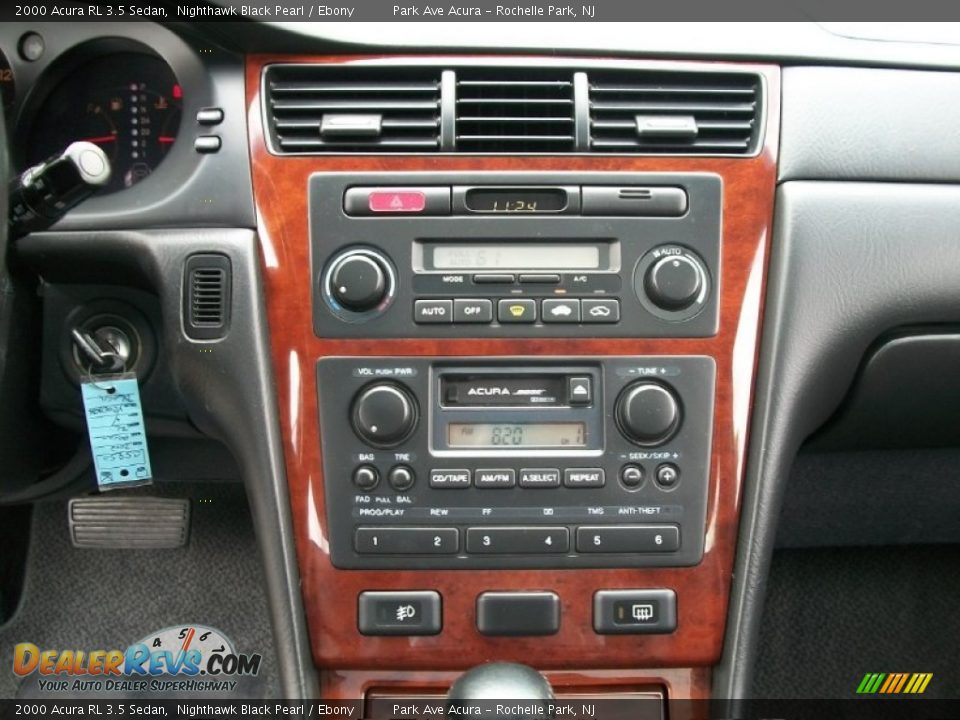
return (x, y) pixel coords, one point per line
(128, 103)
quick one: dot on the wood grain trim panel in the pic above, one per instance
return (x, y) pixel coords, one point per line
(330, 594)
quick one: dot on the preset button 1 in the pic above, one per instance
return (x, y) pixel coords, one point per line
(406, 541)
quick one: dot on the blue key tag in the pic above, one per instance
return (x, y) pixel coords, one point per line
(118, 440)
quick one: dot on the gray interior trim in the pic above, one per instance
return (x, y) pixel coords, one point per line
(229, 393)
(851, 261)
(791, 42)
(859, 124)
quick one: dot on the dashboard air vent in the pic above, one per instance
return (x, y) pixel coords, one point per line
(207, 296)
(673, 113)
(515, 111)
(343, 109)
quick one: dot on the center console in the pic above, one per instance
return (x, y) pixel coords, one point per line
(514, 389)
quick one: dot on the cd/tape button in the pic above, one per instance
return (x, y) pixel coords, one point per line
(449, 478)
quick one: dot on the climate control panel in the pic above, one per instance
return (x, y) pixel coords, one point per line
(516, 462)
(515, 254)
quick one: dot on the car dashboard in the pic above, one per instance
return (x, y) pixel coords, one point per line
(513, 345)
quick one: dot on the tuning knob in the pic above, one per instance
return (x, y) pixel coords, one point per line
(674, 282)
(358, 280)
(648, 413)
(384, 414)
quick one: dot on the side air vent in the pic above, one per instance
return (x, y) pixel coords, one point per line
(673, 113)
(514, 110)
(206, 302)
(343, 109)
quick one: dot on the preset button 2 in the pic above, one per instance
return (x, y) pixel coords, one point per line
(406, 541)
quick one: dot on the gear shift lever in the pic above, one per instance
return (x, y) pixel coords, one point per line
(500, 681)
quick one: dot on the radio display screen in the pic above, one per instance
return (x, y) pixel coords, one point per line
(525, 435)
(516, 256)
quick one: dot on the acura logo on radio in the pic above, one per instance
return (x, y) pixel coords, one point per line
(494, 390)
(489, 391)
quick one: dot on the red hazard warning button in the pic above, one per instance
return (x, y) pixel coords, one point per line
(388, 200)
(397, 201)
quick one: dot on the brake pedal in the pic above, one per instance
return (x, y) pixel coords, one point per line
(134, 523)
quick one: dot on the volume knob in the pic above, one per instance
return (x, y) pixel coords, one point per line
(384, 414)
(648, 413)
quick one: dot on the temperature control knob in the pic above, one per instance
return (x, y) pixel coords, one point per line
(384, 414)
(674, 282)
(358, 280)
(648, 413)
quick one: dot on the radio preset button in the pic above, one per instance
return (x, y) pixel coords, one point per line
(433, 311)
(495, 478)
(583, 477)
(579, 391)
(517, 311)
(606, 310)
(539, 478)
(401, 478)
(518, 540)
(540, 278)
(494, 279)
(366, 477)
(628, 539)
(406, 541)
(560, 311)
(449, 478)
(472, 311)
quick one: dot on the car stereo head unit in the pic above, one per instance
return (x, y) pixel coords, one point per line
(515, 462)
(515, 254)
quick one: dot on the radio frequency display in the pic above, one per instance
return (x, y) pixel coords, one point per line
(526, 435)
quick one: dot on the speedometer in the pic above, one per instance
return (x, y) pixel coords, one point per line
(126, 103)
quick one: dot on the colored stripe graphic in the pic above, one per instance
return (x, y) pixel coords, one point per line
(894, 683)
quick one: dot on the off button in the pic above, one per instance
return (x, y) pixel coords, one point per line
(472, 311)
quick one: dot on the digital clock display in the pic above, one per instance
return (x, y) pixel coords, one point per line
(518, 200)
(517, 435)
